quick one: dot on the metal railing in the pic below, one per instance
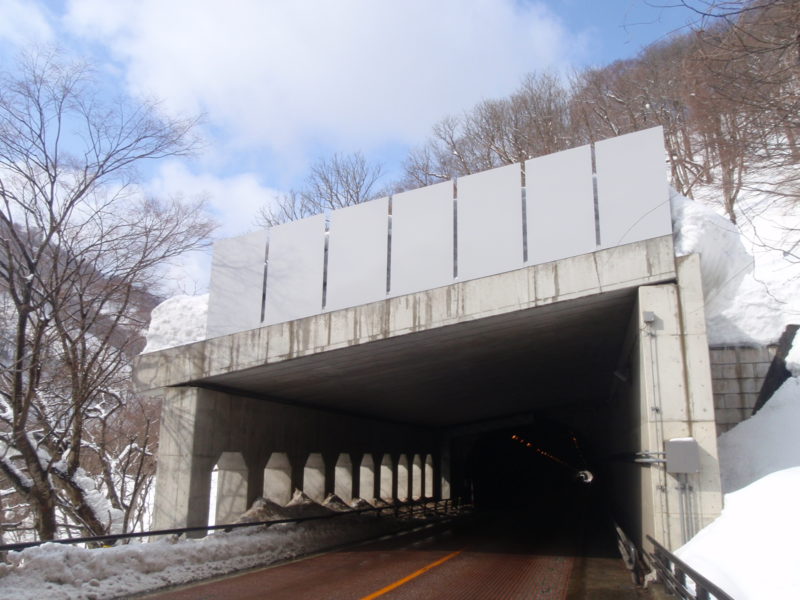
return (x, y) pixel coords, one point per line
(680, 579)
(398, 510)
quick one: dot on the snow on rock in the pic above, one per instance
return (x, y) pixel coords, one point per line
(764, 443)
(176, 321)
(750, 551)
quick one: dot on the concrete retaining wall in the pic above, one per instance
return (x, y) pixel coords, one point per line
(737, 374)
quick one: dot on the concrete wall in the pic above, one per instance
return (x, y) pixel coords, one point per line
(623, 267)
(737, 373)
(667, 395)
(201, 428)
(445, 233)
(677, 402)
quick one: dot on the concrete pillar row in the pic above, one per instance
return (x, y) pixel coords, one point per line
(273, 444)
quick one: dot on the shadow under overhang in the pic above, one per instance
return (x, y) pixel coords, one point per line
(486, 368)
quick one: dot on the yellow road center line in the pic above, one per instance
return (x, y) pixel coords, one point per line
(413, 575)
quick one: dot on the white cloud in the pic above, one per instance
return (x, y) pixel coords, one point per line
(22, 22)
(235, 198)
(234, 201)
(347, 74)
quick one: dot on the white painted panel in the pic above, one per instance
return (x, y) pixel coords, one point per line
(422, 239)
(490, 222)
(357, 254)
(237, 284)
(560, 205)
(632, 188)
(294, 270)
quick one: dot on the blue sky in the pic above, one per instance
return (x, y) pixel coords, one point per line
(283, 82)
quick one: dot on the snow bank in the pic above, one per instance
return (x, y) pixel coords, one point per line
(764, 443)
(60, 572)
(752, 291)
(750, 551)
(176, 321)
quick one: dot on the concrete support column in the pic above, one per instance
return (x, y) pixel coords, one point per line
(676, 401)
(232, 482)
(314, 477)
(278, 478)
(343, 477)
(444, 471)
(429, 475)
(184, 463)
(366, 478)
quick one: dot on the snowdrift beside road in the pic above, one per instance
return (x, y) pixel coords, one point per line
(750, 551)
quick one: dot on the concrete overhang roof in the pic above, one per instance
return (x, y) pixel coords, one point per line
(512, 343)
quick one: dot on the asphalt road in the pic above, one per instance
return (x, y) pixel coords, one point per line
(499, 555)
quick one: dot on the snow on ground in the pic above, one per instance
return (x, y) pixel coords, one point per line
(57, 572)
(765, 443)
(750, 551)
(176, 321)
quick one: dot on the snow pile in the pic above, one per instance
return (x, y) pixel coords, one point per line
(752, 291)
(176, 321)
(750, 551)
(56, 571)
(765, 443)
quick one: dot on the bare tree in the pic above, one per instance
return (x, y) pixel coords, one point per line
(748, 57)
(79, 250)
(335, 182)
(533, 121)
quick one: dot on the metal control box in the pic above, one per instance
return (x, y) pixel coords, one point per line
(683, 455)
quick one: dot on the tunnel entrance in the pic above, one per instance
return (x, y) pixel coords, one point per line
(549, 479)
(536, 466)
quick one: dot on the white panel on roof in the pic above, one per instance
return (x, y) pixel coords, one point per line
(422, 239)
(632, 188)
(560, 205)
(294, 270)
(237, 284)
(357, 251)
(490, 222)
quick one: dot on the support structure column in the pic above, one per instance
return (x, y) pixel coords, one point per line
(184, 464)
(676, 401)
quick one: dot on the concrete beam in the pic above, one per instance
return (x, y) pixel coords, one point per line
(624, 267)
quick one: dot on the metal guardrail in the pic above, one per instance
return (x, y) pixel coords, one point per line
(673, 573)
(398, 510)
